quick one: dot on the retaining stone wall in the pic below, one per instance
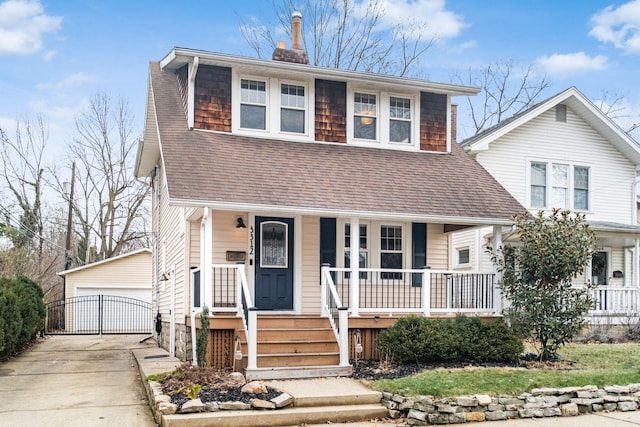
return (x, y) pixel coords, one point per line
(541, 402)
(183, 349)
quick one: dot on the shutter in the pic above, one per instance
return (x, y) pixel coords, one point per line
(418, 249)
(328, 242)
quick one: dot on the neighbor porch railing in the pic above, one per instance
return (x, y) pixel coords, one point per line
(622, 301)
(421, 291)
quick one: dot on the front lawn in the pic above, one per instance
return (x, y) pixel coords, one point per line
(583, 364)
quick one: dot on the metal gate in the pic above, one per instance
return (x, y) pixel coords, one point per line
(97, 315)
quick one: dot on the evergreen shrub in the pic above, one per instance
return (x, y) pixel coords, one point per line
(22, 313)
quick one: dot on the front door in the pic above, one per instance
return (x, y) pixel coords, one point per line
(274, 263)
(599, 268)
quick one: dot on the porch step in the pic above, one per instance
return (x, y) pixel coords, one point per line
(298, 372)
(294, 346)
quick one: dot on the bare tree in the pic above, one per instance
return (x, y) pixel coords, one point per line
(506, 91)
(345, 34)
(616, 107)
(110, 202)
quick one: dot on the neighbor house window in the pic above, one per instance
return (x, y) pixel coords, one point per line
(566, 187)
(581, 188)
(560, 186)
(253, 104)
(363, 246)
(292, 105)
(365, 116)
(538, 185)
(391, 250)
(463, 256)
(399, 120)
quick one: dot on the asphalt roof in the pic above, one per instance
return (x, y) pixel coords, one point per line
(222, 169)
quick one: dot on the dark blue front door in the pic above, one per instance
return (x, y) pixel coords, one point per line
(274, 263)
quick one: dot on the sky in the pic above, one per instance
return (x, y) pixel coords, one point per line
(56, 55)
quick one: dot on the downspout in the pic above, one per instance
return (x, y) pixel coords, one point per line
(172, 331)
(156, 252)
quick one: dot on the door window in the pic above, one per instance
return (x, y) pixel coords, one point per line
(273, 241)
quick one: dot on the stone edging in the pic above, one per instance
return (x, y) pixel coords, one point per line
(161, 403)
(541, 402)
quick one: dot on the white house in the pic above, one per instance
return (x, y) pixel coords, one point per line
(566, 153)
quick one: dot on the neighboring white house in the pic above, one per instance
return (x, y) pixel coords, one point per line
(117, 289)
(566, 153)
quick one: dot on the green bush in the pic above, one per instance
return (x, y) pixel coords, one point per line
(22, 313)
(424, 340)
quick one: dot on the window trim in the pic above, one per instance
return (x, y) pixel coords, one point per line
(457, 262)
(549, 184)
(383, 118)
(273, 87)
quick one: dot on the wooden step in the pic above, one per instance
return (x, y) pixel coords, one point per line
(297, 359)
(292, 322)
(295, 334)
(310, 346)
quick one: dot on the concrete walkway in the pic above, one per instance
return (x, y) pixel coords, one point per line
(75, 381)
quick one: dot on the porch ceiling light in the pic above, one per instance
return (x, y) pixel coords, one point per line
(240, 223)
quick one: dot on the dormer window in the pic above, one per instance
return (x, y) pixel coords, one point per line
(383, 119)
(292, 108)
(364, 116)
(399, 119)
(253, 104)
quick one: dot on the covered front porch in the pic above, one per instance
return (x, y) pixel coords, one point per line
(287, 302)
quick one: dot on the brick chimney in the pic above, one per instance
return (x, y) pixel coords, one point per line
(296, 54)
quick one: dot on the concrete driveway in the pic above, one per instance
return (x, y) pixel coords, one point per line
(75, 381)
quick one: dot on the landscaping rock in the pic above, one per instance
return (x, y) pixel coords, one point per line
(166, 408)
(237, 379)
(616, 389)
(212, 406)
(254, 387)
(192, 406)
(627, 406)
(282, 400)
(483, 399)
(417, 415)
(234, 406)
(473, 417)
(262, 404)
(495, 415)
(467, 401)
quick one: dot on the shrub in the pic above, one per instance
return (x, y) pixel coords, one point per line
(202, 340)
(22, 313)
(424, 340)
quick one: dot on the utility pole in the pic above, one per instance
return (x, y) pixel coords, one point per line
(67, 248)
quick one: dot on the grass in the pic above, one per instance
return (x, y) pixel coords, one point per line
(597, 364)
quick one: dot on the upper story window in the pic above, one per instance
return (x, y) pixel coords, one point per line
(566, 187)
(382, 119)
(292, 108)
(253, 104)
(399, 119)
(270, 106)
(364, 116)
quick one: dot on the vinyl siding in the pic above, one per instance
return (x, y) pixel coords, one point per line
(310, 303)
(437, 247)
(573, 142)
(133, 272)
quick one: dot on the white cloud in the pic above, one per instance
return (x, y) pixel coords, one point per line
(22, 26)
(48, 56)
(430, 16)
(571, 63)
(70, 80)
(618, 26)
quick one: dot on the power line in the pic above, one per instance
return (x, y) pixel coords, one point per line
(26, 231)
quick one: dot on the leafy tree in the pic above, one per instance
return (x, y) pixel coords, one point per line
(537, 277)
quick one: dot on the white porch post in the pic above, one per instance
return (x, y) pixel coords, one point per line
(426, 291)
(355, 267)
(497, 294)
(252, 339)
(323, 289)
(343, 327)
(635, 264)
(206, 256)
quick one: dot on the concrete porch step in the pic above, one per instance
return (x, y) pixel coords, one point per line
(280, 417)
(298, 372)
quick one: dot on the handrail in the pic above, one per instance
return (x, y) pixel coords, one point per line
(341, 329)
(249, 316)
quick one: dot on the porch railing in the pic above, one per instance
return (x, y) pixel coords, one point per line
(230, 292)
(336, 312)
(422, 291)
(616, 301)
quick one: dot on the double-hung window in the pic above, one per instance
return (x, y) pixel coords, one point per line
(565, 187)
(538, 185)
(292, 108)
(391, 250)
(399, 120)
(365, 114)
(253, 104)
(363, 245)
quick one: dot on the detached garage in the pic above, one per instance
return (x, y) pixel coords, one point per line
(110, 296)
